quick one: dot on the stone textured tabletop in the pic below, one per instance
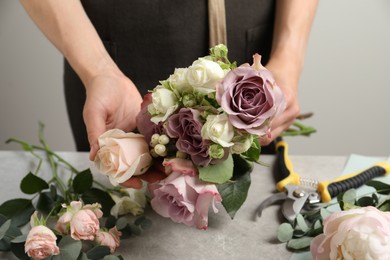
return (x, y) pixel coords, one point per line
(241, 238)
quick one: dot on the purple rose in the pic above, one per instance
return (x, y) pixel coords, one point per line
(186, 127)
(250, 97)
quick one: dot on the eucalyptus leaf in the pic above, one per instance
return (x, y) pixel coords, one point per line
(19, 210)
(98, 252)
(95, 195)
(4, 228)
(112, 257)
(83, 256)
(384, 206)
(350, 196)
(143, 222)
(83, 181)
(32, 184)
(365, 201)
(17, 247)
(69, 249)
(381, 187)
(299, 243)
(217, 173)
(285, 232)
(324, 213)
(121, 223)
(11, 233)
(301, 222)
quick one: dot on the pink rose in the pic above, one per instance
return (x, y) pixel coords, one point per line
(250, 97)
(122, 155)
(110, 238)
(41, 243)
(183, 197)
(362, 233)
(82, 222)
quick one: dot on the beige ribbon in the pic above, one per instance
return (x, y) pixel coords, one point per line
(217, 22)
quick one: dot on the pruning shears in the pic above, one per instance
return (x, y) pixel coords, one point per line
(301, 195)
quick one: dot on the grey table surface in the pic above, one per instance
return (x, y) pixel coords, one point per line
(240, 238)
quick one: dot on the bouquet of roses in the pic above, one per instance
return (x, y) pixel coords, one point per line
(198, 137)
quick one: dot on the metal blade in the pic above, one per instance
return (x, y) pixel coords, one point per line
(269, 201)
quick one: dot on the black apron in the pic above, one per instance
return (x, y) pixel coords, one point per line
(149, 38)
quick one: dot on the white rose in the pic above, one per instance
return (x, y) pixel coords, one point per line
(361, 233)
(133, 202)
(218, 129)
(164, 103)
(242, 143)
(122, 155)
(179, 80)
(204, 75)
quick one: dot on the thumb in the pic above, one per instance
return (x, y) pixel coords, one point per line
(96, 125)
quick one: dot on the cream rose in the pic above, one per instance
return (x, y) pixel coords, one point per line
(179, 80)
(362, 233)
(41, 243)
(204, 75)
(164, 103)
(122, 155)
(133, 202)
(218, 129)
(110, 238)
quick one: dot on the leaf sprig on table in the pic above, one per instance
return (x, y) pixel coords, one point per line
(48, 197)
(299, 234)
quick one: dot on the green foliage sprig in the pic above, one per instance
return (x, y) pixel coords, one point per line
(47, 197)
(298, 235)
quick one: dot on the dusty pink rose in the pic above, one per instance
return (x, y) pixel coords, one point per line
(41, 243)
(82, 222)
(110, 238)
(184, 198)
(250, 97)
(122, 155)
(362, 233)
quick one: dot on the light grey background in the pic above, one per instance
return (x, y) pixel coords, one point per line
(345, 81)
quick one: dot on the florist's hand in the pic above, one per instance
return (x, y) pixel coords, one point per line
(286, 75)
(112, 101)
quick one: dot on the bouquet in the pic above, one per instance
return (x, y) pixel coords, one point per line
(198, 137)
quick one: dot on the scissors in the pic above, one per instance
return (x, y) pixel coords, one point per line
(300, 195)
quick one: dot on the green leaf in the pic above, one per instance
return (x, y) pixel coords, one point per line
(381, 187)
(11, 233)
(82, 256)
(69, 249)
(143, 222)
(95, 195)
(112, 257)
(366, 201)
(384, 206)
(17, 247)
(285, 232)
(98, 252)
(19, 210)
(217, 173)
(254, 151)
(302, 223)
(234, 192)
(299, 243)
(32, 184)
(83, 181)
(46, 202)
(4, 228)
(121, 223)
